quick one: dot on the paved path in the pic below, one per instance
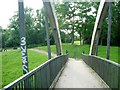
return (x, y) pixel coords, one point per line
(78, 75)
(44, 52)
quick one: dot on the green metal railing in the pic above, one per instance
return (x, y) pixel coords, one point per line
(41, 77)
(108, 70)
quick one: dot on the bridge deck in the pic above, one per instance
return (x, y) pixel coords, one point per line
(78, 75)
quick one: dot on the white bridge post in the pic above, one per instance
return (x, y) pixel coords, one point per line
(101, 14)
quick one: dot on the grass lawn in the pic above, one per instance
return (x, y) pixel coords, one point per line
(76, 50)
(12, 64)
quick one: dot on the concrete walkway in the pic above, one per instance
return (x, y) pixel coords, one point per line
(77, 74)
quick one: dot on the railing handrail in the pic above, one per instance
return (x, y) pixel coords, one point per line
(108, 70)
(104, 59)
(12, 84)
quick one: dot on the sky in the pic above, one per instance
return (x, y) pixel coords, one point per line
(8, 8)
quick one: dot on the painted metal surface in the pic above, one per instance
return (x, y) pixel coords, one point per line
(47, 35)
(97, 40)
(102, 11)
(109, 30)
(23, 37)
(106, 69)
(50, 11)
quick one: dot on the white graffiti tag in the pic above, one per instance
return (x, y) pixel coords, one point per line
(24, 55)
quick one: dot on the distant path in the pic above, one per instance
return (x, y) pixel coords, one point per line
(77, 74)
(43, 52)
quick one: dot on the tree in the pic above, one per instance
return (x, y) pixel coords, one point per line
(34, 26)
(115, 29)
(13, 31)
(74, 17)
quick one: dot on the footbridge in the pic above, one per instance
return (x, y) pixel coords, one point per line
(90, 71)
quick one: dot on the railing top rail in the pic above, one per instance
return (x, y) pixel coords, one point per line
(106, 69)
(104, 59)
(31, 72)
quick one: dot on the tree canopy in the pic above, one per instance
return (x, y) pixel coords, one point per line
(76, 22)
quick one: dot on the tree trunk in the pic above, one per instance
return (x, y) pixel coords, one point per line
(80, 38)
(73, 28)
(72, 38)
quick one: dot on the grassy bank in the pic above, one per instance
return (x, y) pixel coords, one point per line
(75, 51)
(12, 64)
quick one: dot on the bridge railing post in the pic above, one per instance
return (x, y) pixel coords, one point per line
(109, 30)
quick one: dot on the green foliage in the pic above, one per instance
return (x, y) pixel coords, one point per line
(74, 17)
(115, 33)
(80, 17)
(12, 64)
(34, 26)
(77, 17)
(64, 37)
(115, 27)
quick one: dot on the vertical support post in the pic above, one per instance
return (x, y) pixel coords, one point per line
(23, 37)
(49, 8)
(57, 39)
(93, 51)
(47, 35)
(102, 11)
(97, 42)
(109, 30)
